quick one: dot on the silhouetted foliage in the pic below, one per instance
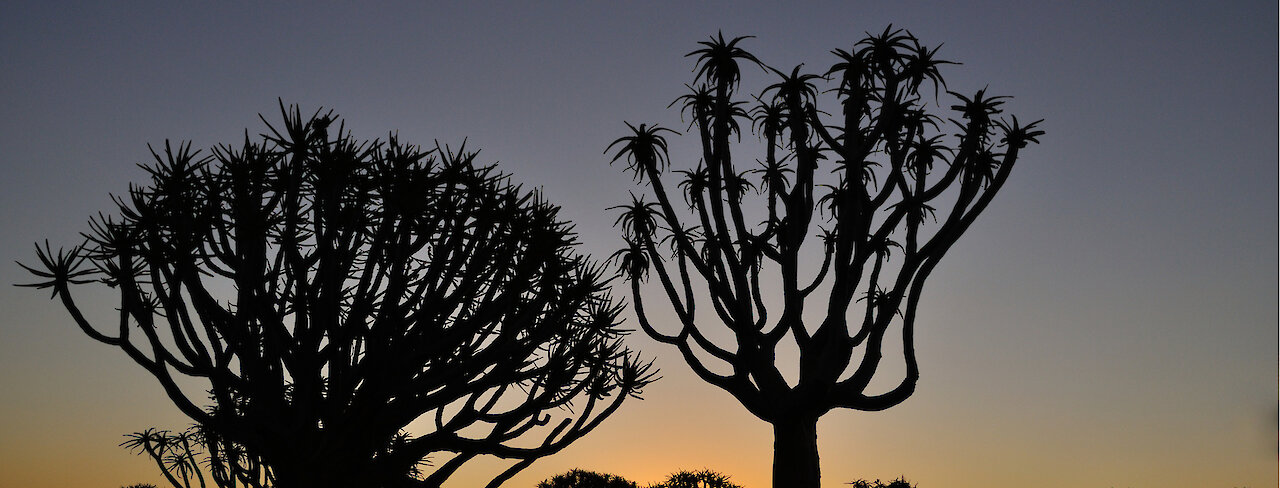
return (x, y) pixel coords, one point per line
(696, 479)
(140, 485)
(896, 199)
(897, 483)
(196, 457)
(329, 291)
(580, 478)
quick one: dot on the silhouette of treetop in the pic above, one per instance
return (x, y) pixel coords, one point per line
(329, 291)
(874, 181)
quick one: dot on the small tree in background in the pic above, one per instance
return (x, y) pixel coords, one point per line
(696, 479)
(329, 291)
(581, 478)
(578, 478)
(197, 458)
(898, 197)
(897, 483)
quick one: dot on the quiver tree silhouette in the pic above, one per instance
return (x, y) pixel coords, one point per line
(198, 458)
(327, 292)
(877, 193)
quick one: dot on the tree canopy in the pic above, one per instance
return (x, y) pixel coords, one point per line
(857, 207)
(324, 292)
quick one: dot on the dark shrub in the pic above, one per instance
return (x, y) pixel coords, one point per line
(897, 483)
(580, 478)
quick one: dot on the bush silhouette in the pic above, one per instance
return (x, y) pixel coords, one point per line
(330, 291)
(579, 478)
(696, 479)
(900, 482)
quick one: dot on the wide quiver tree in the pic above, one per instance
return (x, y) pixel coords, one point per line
(870, 201)
(326, 292)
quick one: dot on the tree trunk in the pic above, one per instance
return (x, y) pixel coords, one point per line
(795, 453)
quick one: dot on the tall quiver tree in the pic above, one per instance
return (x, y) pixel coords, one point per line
(328, 292)
(876, 193)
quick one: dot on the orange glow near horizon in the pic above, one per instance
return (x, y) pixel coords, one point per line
(682, 426)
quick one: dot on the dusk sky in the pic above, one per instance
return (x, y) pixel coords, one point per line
(1110, 321)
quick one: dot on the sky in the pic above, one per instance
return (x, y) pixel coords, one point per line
(1110, 320)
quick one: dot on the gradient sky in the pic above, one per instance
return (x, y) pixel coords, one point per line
(1109, 322)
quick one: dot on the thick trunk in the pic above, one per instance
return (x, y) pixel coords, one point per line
(795, 453)
(334, 470)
